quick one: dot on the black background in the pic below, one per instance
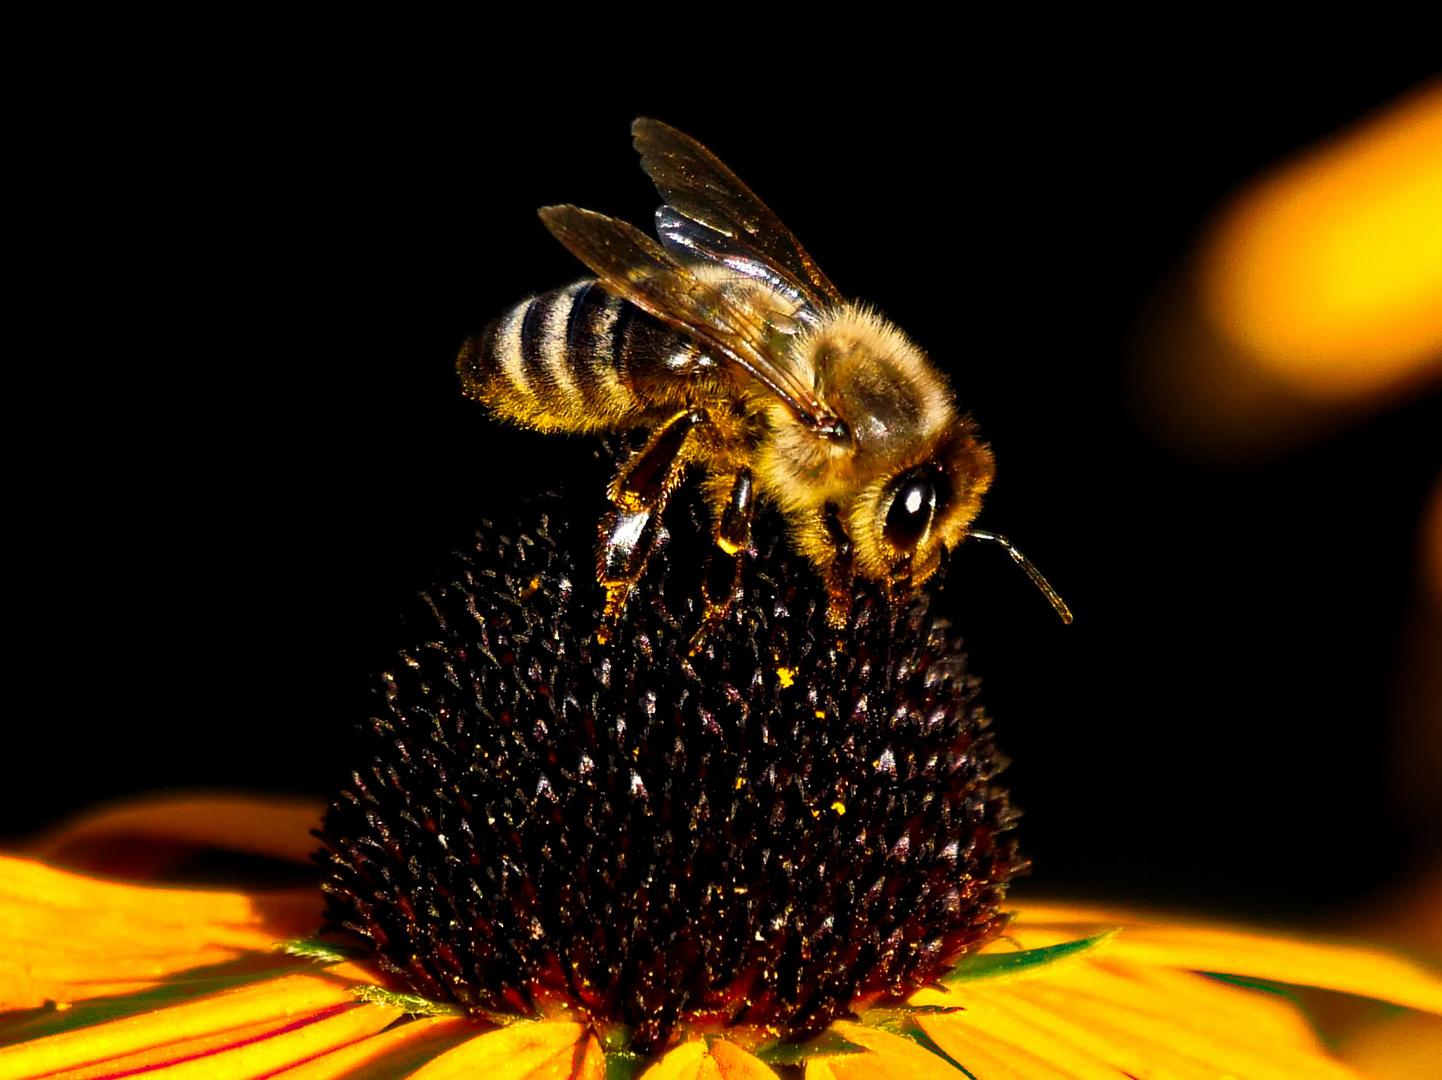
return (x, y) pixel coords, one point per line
(238, 442)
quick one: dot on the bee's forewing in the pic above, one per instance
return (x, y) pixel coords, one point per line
(696, 184)
(691, 243)
(632, 265)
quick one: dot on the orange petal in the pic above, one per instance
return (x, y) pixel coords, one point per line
(737, 1064)
(153, 1057)
(292, 998)
(554, 1050)
(689, 1061)
(399, 1049)
(265, 1056)
(68, 936)
(593, 1060)
(1398, 1048)
(275, 826)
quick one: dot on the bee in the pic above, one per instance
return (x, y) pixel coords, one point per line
(731, 348)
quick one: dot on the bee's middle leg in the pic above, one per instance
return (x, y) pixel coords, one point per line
(733, 537)
(638, 494)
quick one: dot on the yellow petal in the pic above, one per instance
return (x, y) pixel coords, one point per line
(1328, 273)
(47, 889)
(1352, 969)
(994, 1059)
(546, 1051)
(720, 1060)
(1100, 1008)
(737, 1064)
(688, 1061)
(890, 1057)
(68, 936)
(293, 998)
(1270, 1017)
(985, 1036)
(820, 1069)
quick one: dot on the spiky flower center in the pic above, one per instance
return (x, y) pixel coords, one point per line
(787, 825)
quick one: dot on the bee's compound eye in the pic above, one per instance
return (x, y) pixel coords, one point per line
(912, 509)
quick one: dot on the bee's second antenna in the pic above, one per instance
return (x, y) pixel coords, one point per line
(1031, 571)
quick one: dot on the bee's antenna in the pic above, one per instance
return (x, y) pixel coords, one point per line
(1031, 571)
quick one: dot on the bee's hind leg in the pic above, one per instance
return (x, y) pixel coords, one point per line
(638, 494)
(723, 569)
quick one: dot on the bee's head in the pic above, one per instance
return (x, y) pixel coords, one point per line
(903, 523)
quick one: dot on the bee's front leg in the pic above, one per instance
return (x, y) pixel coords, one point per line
(839, 572)
(723, 569)
(639, 493)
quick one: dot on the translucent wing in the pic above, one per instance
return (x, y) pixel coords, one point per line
(632, 265)
(691, 242)
(736, 228)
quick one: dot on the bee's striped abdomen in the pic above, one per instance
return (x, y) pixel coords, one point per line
(558, 361)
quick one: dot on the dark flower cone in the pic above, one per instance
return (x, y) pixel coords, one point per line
(789, 825)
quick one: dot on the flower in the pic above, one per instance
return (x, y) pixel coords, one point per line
(782, 853)
(109, 979)
(765, 831)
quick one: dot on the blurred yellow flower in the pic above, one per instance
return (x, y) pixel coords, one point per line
(1328, 272)
(1315, 294)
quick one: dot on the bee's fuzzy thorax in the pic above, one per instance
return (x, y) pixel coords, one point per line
(896, 407)
(859, 355)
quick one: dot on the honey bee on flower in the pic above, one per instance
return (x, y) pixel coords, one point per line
(728, 345)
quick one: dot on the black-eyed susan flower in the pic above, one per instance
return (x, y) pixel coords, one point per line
(108, 979)
(786, 854)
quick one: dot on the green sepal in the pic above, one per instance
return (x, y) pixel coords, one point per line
(826, 1045)
(415, 1005)
(1026, 962)
(311, 949)
(923, 1040)
(1267, 986)
(900, 1019)
(622, 1064)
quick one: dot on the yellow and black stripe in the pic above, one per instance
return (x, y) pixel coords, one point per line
(577, 359)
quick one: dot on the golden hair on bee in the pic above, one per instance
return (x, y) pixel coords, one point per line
(734, 352)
